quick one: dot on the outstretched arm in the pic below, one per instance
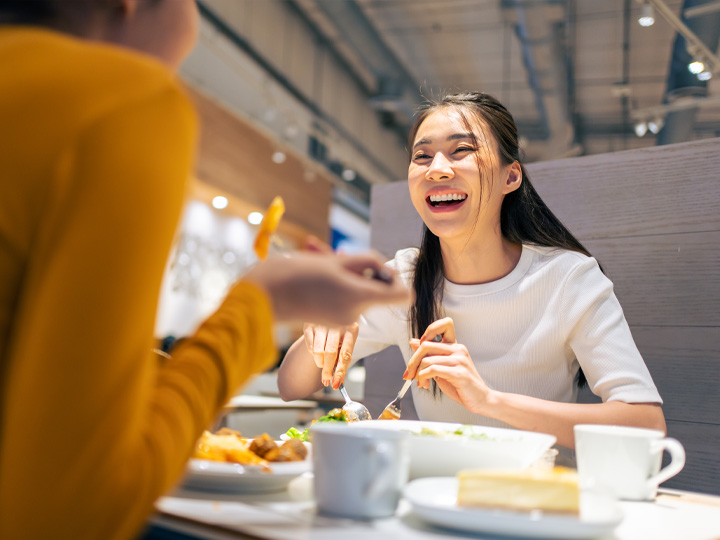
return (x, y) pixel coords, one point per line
(450, 365)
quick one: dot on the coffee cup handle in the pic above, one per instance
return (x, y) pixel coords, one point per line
(383, 458)
(677, 460)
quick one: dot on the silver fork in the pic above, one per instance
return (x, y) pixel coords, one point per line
(393, 411)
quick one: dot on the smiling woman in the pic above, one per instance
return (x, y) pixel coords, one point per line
(523, 309)
(96, 147)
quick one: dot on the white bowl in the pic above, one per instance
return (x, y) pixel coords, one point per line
(480, 447)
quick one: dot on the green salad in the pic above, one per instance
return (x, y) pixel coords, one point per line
(466, 430)
(295, 433)
(334, 415)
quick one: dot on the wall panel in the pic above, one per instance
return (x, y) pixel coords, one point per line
(652, 217)
(650, 191)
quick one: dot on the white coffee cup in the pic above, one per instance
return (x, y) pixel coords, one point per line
(359, 472)
(625, 461)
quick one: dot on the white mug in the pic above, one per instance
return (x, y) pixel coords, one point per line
(359, 472)
(625, 461)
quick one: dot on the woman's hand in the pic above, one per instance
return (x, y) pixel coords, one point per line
(331, 349)
(449, 363)
(325, 289)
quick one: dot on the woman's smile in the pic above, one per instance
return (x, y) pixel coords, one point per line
(444, 200)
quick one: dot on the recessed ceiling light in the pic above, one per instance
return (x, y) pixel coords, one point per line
(704, 75)
(696, 66)
(255, 218)
(220, 202)
(656, 125)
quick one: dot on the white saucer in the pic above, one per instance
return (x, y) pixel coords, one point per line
(434, 500)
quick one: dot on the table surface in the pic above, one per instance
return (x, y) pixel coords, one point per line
(291, 515)
(245, 402)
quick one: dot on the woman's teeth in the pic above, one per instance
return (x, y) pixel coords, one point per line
(449, 198)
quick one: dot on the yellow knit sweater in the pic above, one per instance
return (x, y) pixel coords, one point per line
(96, 144)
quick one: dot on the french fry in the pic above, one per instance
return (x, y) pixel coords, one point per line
(268, 226)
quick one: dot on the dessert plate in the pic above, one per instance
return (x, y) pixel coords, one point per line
(232, 477)
(434, 500)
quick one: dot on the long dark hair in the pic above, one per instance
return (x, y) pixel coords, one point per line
(524, 217)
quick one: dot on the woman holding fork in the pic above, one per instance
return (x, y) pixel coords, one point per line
(525, 313)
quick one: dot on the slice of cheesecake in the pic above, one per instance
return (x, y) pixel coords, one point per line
(554, 490)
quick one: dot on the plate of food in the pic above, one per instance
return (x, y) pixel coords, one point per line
(443, 449)
(526, 503)
(226, 461)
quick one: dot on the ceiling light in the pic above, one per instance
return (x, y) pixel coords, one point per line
(291, 131)
(278, 157)
(656, 125)
(220, 202)
(647, 17)
(641, 129)
(348, 175)
(704, 75)
(696, 67)
(255, 218)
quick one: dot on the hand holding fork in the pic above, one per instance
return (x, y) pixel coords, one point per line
(393, 410)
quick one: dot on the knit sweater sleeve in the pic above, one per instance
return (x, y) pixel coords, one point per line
(94, 427)
(600, 337)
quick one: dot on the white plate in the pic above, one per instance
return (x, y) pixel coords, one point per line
(232, 477)
(446, 456)
(435, 500)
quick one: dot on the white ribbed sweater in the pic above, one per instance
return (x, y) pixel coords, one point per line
(527, 333)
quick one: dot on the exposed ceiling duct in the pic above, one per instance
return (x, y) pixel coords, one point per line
(392, 90)
(681, 84)
(538, 25)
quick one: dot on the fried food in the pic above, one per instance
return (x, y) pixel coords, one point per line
(226, 446)
(290, 450)
(267, 227)
(262, 444)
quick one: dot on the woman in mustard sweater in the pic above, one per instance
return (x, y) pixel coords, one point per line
(96, 146)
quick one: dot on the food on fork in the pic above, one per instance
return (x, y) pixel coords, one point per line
(389, 414)
(554, 491)
(267, 227)
(334, 415)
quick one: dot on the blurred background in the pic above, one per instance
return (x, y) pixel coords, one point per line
(312, 100)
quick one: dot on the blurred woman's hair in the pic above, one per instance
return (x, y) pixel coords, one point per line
(524, 217)
(27, 11)
(65, 14)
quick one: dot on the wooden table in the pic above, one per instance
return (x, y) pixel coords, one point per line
(291, 515)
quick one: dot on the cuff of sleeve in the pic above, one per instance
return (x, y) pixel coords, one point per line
(636, 396)
(241, 332)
